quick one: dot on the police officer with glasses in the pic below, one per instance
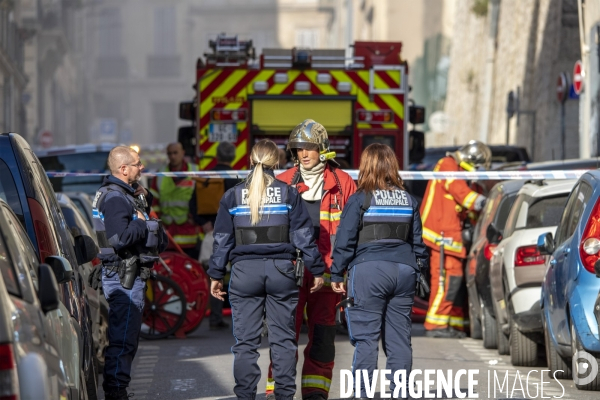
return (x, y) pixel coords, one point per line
(260, 224)
(379, 243)
(129, 244)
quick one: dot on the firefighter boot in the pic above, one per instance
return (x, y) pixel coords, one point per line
(446, 333)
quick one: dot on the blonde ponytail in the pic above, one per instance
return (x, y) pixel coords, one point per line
(265, 154)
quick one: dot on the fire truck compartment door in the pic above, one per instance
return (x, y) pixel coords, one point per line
(283, 115)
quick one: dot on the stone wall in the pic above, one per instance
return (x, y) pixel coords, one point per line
(534, 42)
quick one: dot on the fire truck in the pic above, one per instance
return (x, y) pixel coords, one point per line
(360, 100)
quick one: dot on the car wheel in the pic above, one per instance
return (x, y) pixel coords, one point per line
(580, 367)
(488, 329)
(559, 368)
(503, 343)
(523, 349)
(474, 324)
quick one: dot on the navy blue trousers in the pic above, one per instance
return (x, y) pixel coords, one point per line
(383, 295)
(124, 325)
(257, 287)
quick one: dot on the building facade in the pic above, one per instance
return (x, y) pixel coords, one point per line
(521, 46)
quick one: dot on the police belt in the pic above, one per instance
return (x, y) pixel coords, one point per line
(262, 235)
(390, 230)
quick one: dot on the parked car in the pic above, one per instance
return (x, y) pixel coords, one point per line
(570, 286)
(28, 192)
(83, 202)
(98, 304)
(482, 318)
(517, 267)
(571, 164)
(33, 361)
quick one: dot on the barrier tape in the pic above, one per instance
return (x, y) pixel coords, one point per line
(405, 175)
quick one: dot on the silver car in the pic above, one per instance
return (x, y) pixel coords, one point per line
(29, 313)
(78, 225)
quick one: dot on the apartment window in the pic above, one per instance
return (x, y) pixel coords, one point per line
(165, 31)
(165, 62)
(110, 31)
(307, 38)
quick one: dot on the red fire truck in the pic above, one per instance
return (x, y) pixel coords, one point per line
(360, 100)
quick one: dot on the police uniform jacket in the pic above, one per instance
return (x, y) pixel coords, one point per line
(232, 214)
(396, 208)
(120, 219)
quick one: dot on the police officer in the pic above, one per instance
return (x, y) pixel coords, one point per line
(129, 245)
(260, 224)
(379, 243)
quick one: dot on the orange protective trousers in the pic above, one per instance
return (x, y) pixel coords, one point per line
(445, 293)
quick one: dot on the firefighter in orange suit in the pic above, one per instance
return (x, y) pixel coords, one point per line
(325, 189)
(171, 201)
(443, 211)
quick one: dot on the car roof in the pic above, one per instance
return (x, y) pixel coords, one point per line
(575, 163)
(79, 148)
(510, 186)
(549, 187)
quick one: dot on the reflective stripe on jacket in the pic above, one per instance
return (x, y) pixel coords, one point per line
(442, 207)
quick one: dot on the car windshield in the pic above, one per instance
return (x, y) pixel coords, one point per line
(78, 162)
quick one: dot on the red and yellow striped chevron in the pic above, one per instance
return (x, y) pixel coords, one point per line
(229, 89)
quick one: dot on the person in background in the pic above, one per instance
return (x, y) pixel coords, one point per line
(445, 207)
(325, 190)
(171, 198)
(203, 206)
(259, 226)
(379, 243)
(129, 242)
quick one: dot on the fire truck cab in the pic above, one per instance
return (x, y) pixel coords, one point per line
(361, 100)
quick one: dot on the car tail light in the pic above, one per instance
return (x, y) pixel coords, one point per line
(590, 243)
(9, 379)
(528, 255)
(488, 250)
(375, 117)
(42, 232)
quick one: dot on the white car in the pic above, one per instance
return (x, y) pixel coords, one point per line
(517, 268)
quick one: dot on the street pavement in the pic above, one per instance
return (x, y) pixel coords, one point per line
(200, 367)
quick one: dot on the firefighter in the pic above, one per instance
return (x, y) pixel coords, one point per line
(444, 208)
(129, 245)
(325, 190)
(259, 226)
(171, 201)
(379, 242)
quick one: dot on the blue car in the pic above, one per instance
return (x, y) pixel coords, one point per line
(570, 286)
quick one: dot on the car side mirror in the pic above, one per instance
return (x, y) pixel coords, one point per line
(545, 244)
(597, 268)
(85, 249)
(63, 272)
(493, 234)
(48, 288)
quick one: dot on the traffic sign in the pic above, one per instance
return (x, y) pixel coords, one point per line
(46, 139)
(578, 75)
(562, 87)
(108, 130)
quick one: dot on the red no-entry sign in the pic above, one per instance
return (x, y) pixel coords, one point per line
(578, 75)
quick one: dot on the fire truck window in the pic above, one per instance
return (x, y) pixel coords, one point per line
(388, 140)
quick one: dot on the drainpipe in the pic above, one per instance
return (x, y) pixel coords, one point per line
(585, 142)
(489, 71)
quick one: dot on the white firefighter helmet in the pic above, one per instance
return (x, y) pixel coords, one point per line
(474, 154)
(310, 134)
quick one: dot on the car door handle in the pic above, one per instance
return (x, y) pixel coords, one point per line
(553, 262)
(566, 252)
(59, 313)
